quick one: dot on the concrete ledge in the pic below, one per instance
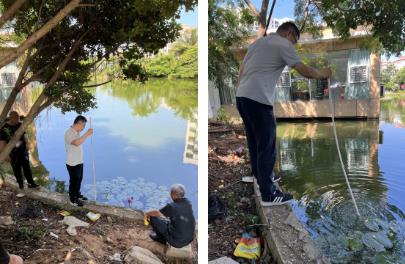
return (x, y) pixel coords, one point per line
(288, 240)
(62, 200)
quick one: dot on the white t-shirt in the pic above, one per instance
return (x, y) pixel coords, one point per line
(74, 154)
(263, 65)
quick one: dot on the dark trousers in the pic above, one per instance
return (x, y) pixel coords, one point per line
(4, 257)
(260, 126)
(161, 228)
(75, 180)
(19, 162)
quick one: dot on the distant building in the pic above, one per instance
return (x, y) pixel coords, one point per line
(190, 155)
(398, 63)
(274, 24)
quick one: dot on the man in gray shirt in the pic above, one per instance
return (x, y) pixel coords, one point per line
(258, 75)
(74, 157)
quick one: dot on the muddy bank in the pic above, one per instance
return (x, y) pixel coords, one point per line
(227, 163)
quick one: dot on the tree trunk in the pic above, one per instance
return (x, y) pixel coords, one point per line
(16, 89)
(11, 11)
(41, 103)
(262, 19)
(40, 33)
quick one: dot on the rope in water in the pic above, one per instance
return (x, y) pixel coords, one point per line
(93, 164)
(338, 149)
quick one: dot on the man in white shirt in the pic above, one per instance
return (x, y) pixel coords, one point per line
(258, 75)
(74, 158)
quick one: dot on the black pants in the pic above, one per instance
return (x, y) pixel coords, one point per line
(4, 257)
(75, 180)
(19, 162)
(161, 228)
(260, 126)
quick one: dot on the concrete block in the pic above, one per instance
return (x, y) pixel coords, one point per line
(184, 252)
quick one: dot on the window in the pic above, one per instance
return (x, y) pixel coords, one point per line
(358, 74)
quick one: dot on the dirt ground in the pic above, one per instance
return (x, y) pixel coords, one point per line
(38, 236)
(227, 163)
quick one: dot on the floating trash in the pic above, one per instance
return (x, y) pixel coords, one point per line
(372, 224)
(135, 193)
(382, 237)
(369, 239)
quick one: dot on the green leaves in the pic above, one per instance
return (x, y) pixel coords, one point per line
(228, 27)
(384, 20)
(126, 29)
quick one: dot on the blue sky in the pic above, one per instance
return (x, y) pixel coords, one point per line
(281, 9)
(189, 18)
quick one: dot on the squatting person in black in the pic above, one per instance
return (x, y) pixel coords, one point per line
(19, 157)
(179, 230)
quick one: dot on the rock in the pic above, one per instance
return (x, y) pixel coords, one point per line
(138, 255)
(245, 200)
(72, 222)
(184, 252)
(6, 221)
(52, 234)
(116, 257)
(223, 260)
(109, 219)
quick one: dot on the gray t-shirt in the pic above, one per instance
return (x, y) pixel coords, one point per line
(262, 67)
(74, 154)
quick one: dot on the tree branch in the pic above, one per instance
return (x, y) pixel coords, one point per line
(66, 60)
(40, 33)
(305, 15)
(16, 89)
(11, 11)
(98, 84)
(252, 7)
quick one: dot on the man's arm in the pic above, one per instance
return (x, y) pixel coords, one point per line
(312, 73)
(80, 140)
(154, 213)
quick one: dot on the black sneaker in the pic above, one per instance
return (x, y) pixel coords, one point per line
(275, 177)
(33, 185)
(277, 198)
(82, 197)
(76, 202)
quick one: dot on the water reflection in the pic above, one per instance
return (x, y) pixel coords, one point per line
(145, 136)
(311, 171)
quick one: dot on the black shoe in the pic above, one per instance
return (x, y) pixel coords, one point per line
(277, 198)
(82, 197)
(21, 186)
(157, 238)
(76, 202)
(33, 185)
(275, 178)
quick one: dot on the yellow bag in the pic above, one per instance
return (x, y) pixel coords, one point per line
(248, 247)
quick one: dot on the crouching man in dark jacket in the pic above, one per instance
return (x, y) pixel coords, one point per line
(178, 230)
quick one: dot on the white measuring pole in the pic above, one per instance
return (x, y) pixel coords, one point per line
(332, 106)
(93, 164)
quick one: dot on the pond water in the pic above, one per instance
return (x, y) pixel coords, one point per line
(373, 153)
(145, 140)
